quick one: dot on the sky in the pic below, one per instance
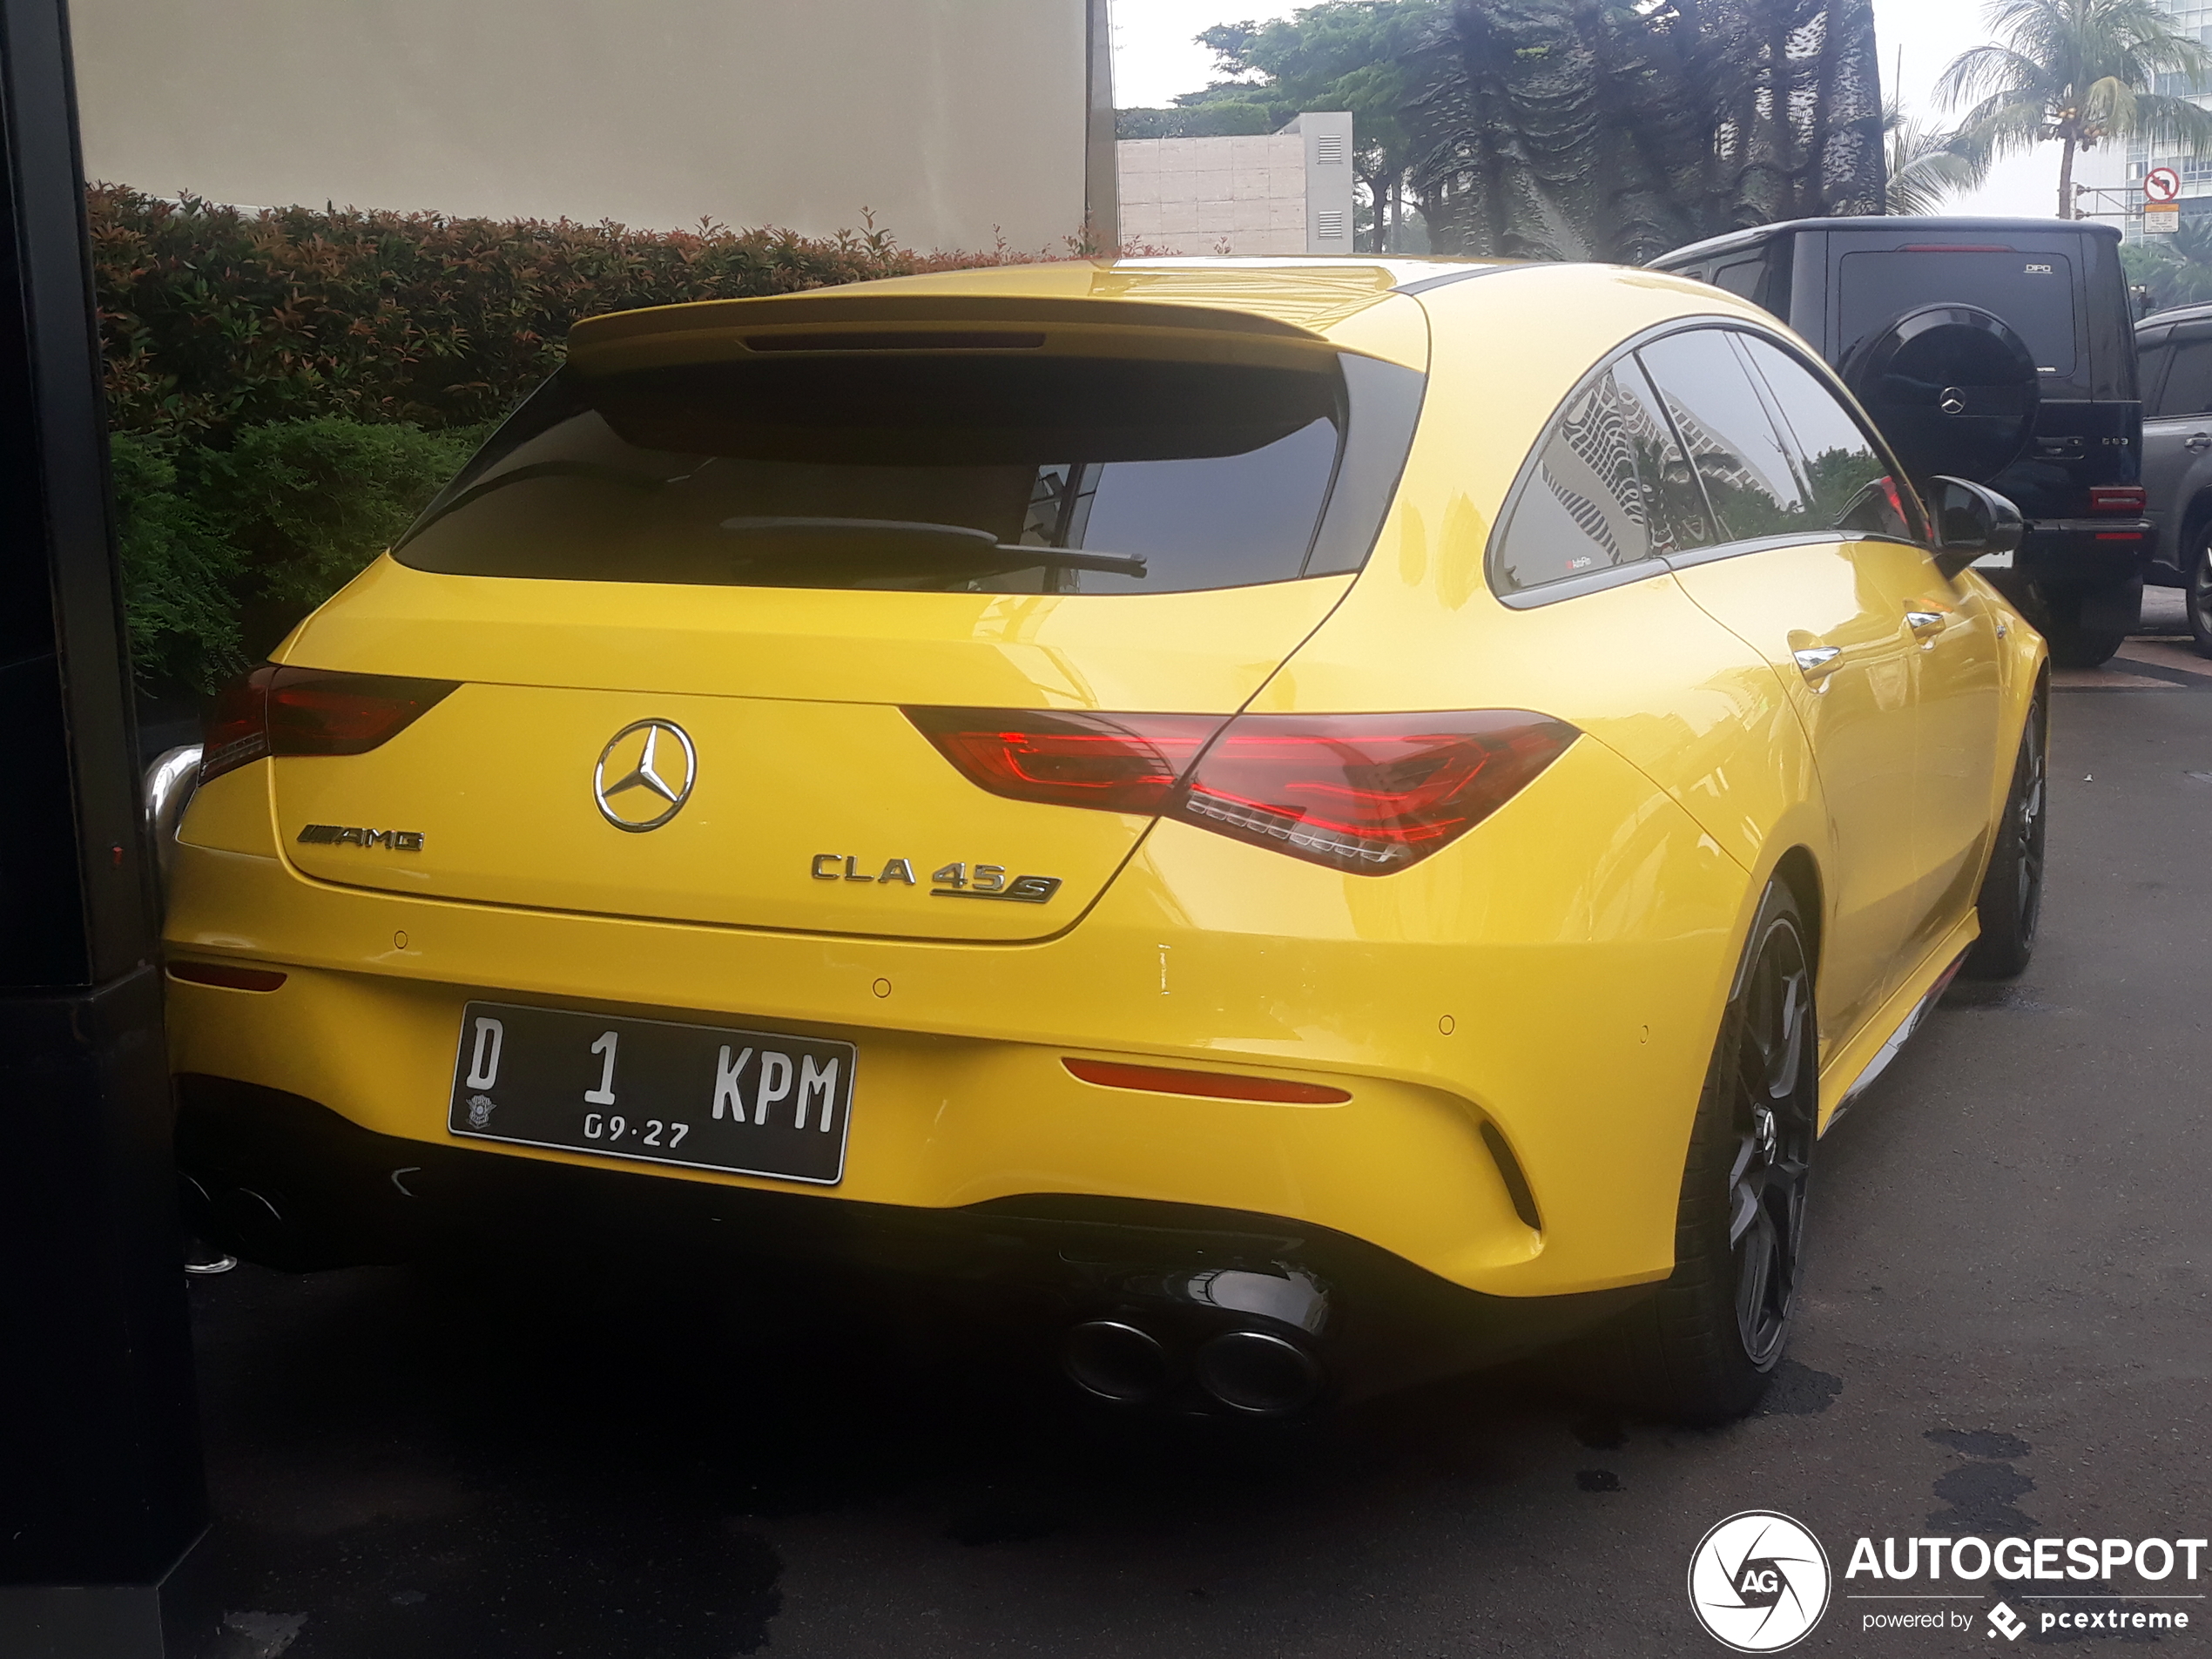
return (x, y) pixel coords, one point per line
(1155, 58)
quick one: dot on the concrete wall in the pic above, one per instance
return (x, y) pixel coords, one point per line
(1279, 193)
(954, 120)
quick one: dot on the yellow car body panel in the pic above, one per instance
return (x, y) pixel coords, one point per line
(1554, 979)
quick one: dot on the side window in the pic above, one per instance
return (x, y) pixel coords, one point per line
(1741, 278)
(1846, 482)
(1610, 487)
(2189, 380)
(2150, 371)
(1731, 442)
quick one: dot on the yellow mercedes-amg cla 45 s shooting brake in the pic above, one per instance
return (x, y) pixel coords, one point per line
(1304, 813)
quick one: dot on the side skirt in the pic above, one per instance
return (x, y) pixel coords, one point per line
(1867, 1055)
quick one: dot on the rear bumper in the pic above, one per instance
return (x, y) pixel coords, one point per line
(1550, 986)
(2084, 551)
(284, 1181)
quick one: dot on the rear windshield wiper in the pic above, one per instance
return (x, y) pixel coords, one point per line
(961, 544)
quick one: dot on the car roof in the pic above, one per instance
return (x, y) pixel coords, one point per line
(1885, 224)
(2192, 313)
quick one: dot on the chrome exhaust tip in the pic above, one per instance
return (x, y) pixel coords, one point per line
(1258, 1374)
(1117, 1361)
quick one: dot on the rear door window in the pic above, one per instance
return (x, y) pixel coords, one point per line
(994, 472)
(1847, 484)
(2032, 291)
(2150, 363)
(2188, 379)
(1732, 443)
(1610, 487)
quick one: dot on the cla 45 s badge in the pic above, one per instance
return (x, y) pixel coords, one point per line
(948, 881)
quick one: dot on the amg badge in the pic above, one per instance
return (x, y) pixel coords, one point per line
(341, 835)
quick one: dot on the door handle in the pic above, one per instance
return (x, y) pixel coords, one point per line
(1816, 663)
(1925, 624)
(2197, 441)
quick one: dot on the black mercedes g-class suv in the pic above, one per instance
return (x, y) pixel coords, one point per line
(2000, 350)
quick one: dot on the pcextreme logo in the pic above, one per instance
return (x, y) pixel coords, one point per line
(1758, 1581)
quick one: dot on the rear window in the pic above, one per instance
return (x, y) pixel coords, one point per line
(2033, 292)
(993, 473)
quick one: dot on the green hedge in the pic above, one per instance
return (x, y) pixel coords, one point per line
(287, 388)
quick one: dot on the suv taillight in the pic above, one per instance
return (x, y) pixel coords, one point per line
(309, 711)
(2131, 499)
(1368, 793)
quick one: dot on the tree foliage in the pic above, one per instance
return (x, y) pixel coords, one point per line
(2080, 73)
(1927, 164)
(1617, 129)
(1343, 55)
(288, 388)
(2173, 270)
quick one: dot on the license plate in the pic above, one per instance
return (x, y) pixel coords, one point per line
(703, 1097)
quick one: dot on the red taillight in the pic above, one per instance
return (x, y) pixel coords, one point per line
(309, 711)
(1370, 793)
(1210, 1085)
(2118, 498)
(1117, 763)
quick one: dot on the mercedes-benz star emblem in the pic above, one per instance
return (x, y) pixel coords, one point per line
(644, 774)
(1952, 401)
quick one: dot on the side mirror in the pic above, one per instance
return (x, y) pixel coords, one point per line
(1971, 522)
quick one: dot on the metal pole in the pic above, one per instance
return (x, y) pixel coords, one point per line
(101, 1494)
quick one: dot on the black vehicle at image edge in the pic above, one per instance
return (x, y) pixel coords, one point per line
(2000, 350)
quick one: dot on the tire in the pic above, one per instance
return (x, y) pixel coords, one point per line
(2010, 900)
(2197, 592)
(1702, 1348)
(2085, 627)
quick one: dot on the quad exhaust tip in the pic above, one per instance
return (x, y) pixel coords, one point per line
(1251, 1373)
(1258, 1374)
(1117, 1361)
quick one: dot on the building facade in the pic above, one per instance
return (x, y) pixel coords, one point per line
(1277, 192)
(953, 122)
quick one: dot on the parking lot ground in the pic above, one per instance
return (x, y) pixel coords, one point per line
(2006, 1331)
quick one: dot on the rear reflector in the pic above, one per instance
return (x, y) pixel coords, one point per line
(1211, 1085)
(1367, 794)
(225, 974)
(310, 711)
(2118, 498)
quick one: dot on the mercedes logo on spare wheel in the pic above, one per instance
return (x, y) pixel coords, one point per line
(645, 775)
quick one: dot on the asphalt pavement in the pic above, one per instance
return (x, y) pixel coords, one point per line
(2004, 1333)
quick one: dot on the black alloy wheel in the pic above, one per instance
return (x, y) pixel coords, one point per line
(2198, 594)
(1773, 1117)
(1702, 1347)
(2011, 902)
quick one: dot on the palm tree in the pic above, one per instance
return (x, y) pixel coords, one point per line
(2079, 72)
(1926, 163)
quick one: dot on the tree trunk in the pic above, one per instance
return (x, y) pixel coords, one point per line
(2066, 178)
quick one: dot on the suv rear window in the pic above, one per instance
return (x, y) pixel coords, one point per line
(938, 471)
(2032, 291)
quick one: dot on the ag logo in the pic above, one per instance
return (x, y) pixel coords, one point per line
(1758, 1581)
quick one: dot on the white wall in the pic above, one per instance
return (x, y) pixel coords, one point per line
(1233, 195)
(954, 120)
